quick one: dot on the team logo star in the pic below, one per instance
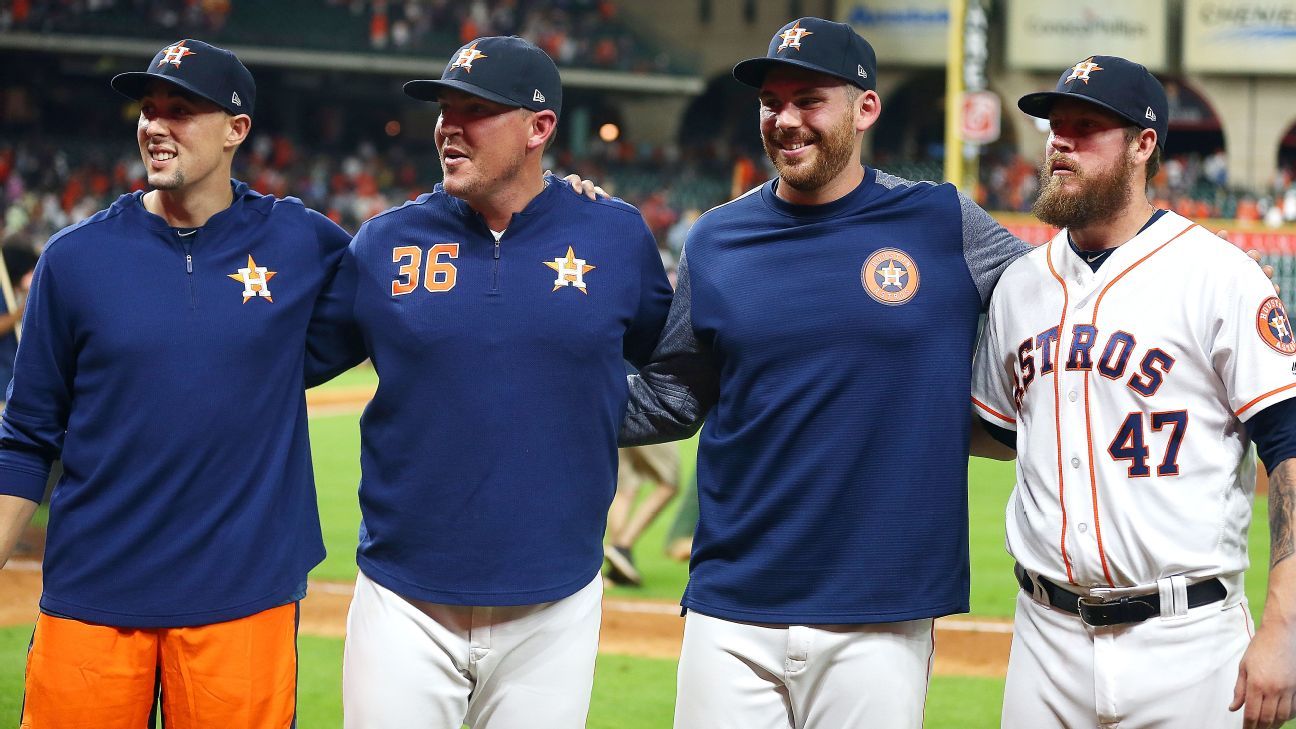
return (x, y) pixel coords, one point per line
(891, 274)
(571, 271)
(255, 280)
(174, 54)
(1082, 70)
(466, 57)
(1280, 326)
(792, 36)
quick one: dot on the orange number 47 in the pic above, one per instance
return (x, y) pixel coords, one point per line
(441, 272)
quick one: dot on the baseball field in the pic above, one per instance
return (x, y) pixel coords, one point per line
(635, 681)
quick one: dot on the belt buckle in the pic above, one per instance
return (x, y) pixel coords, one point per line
(1125, 610)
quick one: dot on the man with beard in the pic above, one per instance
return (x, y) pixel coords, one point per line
(1131, 361)
(820, 322)
(499, 310)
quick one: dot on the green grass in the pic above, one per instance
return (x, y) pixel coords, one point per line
(629, 693)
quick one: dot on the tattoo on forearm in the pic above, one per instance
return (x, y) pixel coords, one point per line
(1282, 503)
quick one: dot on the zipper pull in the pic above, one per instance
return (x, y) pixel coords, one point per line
(497, 250)
(188, 263)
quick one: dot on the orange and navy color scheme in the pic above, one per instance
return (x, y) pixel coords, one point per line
(240, 674)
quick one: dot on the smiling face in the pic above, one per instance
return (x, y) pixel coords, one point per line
(482, 144)
(1091, 167)
(808, 124)
(185, 140)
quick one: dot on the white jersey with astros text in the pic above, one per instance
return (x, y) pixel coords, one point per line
(1128, 389)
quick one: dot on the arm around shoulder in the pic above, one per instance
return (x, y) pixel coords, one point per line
(672, 394)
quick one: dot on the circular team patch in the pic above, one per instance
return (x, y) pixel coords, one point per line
(890, 276)
(1274, 326)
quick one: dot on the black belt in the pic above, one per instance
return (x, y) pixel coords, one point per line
(1118, 611)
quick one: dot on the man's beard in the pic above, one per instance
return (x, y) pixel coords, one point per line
(834, 151)
(1098, 195)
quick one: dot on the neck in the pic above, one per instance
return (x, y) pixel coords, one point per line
(188, 207)
(498, 207)
(837, 188)
(1114, 230)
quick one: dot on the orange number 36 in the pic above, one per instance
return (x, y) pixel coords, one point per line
(441, 273)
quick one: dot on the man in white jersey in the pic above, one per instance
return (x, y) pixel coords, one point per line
(1131, 361)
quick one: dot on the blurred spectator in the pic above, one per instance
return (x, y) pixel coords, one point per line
(573, 32)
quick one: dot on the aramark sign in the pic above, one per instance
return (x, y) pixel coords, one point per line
(1053, 34)
(1240, 36)
(903, 32)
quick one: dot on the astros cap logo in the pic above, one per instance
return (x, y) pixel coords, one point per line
(466, 57)
(890, 276)
(1082, 70)
(174, 54)
(1274, 327)
(792, 36)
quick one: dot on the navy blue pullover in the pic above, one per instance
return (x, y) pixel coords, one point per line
(177, 406)
(488, 454)
(832, 469)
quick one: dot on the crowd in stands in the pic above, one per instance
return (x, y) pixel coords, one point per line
(583, 33)
(46, 186)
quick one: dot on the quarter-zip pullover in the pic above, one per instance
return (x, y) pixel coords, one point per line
(166, 371)
(489, 450)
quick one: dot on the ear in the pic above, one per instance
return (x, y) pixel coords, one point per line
(239, 127)
(1144, 144)
(544, 124)
(868, 107)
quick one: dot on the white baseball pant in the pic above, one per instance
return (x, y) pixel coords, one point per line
(753, 676)
(419, 665)
(1167, 672)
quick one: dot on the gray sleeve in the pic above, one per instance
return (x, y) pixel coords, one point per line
(988, 247)
(672, 394)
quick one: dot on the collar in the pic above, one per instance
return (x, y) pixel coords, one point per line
(853, 200)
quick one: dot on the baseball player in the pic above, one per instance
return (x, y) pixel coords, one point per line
(499, 311)
(161, 358)
(820, 320)
(1131, 361)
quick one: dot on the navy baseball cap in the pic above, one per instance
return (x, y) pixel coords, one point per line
(1125, 88)
(505, 69)
(204, 70)
(818, 45)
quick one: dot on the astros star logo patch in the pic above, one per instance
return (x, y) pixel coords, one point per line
(1082, 70)
(1274, 327)
(255, 280)
(890, 276)
(174, 54)
(466, 57)
(571, 271)
(792, 36)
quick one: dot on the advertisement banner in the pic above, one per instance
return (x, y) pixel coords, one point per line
(903, 32)
(1049, 35)
(1240, 36)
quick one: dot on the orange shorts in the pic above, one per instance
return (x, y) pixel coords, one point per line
(240, 674)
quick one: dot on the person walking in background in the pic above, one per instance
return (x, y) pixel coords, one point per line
(499, 311)
(628, 517)
(161, 358)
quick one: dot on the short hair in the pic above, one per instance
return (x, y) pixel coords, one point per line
(1154, 162)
